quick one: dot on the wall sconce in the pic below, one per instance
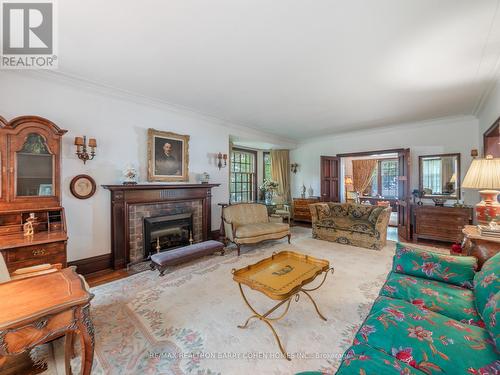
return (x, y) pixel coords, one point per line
(221, 157)
(474, 153)
(294, 167)
(81, 148)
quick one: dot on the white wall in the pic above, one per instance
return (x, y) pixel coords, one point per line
(431, 137)
(489, 112)
(119, 122)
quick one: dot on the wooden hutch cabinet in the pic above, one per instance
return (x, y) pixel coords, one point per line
(30, 186)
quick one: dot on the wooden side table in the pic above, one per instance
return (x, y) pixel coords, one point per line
(481, 247)
(40, 309)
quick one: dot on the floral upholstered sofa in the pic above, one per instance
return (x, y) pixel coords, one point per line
(434, 315)
(351, 224)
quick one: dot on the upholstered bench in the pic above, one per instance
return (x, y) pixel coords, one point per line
(162, 261)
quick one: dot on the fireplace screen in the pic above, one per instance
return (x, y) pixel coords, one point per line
(162, 233)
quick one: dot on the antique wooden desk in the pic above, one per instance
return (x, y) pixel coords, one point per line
(39, 309)
(481, 247)
(281, 277)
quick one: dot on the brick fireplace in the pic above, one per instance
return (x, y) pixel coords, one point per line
(130, 204)
(139, 212)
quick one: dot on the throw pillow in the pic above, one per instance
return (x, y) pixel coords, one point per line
(456, 270)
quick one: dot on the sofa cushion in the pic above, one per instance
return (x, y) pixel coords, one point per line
(487, 282)
(436, 343)
(491, 314)
(245, 213)
(456, 270)
(360, 211)
(363, 359)
(447, 299)
(260, 229)
(323, 211)
(338, 209)
(348, 224)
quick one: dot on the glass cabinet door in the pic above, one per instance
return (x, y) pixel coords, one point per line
(34, 168)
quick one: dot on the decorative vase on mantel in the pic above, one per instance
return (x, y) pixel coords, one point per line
(130, 175)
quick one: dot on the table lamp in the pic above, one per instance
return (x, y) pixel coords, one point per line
(485, 174)
(347, 181)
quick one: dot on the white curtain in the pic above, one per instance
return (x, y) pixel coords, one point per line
(432, 175)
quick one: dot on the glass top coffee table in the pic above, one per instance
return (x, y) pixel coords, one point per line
(281, 277)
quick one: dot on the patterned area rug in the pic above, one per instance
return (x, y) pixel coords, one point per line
(186, 322)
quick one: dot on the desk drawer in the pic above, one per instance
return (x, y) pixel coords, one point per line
(45, 329)
(36, 252)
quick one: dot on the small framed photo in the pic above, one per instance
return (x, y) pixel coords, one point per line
(45, 189)
(168, 156)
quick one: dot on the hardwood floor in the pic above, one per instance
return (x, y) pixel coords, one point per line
(105, 276)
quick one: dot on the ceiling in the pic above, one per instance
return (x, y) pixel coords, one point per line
(293, 68)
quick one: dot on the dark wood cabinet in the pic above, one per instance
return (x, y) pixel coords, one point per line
(301, 211)
(440, 223)
(30, 185)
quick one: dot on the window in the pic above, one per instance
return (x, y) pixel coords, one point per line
(389, 178)
(385, 179)
(267, 165)
(243, 182)
(431, 171)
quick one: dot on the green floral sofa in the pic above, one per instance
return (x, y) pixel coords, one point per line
(434, 315)
(351, 224)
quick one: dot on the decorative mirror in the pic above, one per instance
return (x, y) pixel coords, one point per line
(491, 139)
(440, 175)
(35, 168)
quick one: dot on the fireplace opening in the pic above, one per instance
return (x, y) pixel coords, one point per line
(167, 232)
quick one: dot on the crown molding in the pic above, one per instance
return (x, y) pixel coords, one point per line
(121, 94)
(387, 127)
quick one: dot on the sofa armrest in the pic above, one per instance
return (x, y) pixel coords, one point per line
(383, 220)
(457, 270)
(314, 208)
(229, 230)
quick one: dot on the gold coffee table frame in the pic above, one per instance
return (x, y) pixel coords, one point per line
(281, 277)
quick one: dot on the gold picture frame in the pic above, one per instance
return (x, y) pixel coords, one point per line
(168, 156)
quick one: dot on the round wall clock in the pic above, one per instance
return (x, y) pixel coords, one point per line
(82, 186)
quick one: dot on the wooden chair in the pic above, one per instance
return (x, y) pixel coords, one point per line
(26, 272)
(282, 209)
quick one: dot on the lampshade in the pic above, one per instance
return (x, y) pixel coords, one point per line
(348, 180)
(483, 174)
(79, 141)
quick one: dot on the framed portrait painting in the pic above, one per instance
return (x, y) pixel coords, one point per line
(168, 156)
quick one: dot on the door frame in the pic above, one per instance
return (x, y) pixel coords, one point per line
(405, 202)
(368, 153)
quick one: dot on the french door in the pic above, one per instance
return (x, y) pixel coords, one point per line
(330, 183)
